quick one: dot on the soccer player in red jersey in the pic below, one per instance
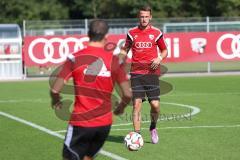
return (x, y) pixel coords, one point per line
(144, 40)
(94, 72)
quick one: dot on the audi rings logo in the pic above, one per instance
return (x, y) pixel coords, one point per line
(49, 50)
(143, 45)
(235, 46)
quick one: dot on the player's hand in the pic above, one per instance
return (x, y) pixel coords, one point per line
(55, 100)
(122, 56)
(57, 106)
(118, 111)
(155, 63)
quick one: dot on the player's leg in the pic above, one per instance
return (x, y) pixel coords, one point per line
(87, 158)
(98, 140)
(153, 94)
(154, 112)
(76, 142)
(136, 114)
(138, 97)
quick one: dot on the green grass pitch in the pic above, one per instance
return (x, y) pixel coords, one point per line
(211, 134)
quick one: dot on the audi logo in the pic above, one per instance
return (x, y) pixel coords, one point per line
(48, 49)
(235, 46)
(143, 45)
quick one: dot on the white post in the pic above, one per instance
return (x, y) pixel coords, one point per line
(164, 28)
(207, 21)
(208, 30)
(209, 67)
(86, 26)
(24, 34)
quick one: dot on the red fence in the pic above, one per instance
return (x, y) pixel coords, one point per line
(182, 47)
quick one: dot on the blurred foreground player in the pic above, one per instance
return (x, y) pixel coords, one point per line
(94, 72)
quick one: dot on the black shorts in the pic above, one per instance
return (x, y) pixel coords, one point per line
(81, 141)
(145, 85)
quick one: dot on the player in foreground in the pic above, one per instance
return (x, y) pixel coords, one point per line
(94, 72)
(145, 69)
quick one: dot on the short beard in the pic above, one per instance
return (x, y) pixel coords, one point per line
(143, 27)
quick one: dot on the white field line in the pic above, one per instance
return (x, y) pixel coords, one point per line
(195, 110)
(163, 128)
(61, 131)
(200, 94)
(37, 100)
(40, 100)
(50, 132)
(182, 127)
(205, 74)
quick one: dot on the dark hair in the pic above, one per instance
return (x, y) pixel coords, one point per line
(146, 8)
(97, 30)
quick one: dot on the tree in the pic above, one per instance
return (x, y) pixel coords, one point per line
(15, 11)
(229, 7)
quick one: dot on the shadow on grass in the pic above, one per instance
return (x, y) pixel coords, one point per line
(115, 138)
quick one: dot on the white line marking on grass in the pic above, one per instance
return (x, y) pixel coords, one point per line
(195, 110)
(182, 127)
(61, 131)
(200, 94)
(25, 101)
(50, 132)
(180, 94)
(32, 125)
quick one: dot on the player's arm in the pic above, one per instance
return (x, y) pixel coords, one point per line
(121, 77)
(125, 49)
(163, 53)
(55, 93)
(58, 84)
(125, 99)
(122, 55)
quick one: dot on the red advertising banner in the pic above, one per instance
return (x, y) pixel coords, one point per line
(182, 47)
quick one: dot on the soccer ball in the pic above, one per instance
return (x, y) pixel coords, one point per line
(133, 141)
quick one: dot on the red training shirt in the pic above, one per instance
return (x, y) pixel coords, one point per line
(94, 72)
(144, 45)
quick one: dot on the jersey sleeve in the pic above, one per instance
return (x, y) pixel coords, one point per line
(118, 71)
(161, 42)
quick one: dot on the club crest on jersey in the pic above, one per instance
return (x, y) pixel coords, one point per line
(135, 37)
(151, 36)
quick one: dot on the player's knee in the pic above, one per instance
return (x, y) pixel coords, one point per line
(87, 158)
(136, 111)
(155, 106)
(137, 107)
(137, 102)
(155, 103)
